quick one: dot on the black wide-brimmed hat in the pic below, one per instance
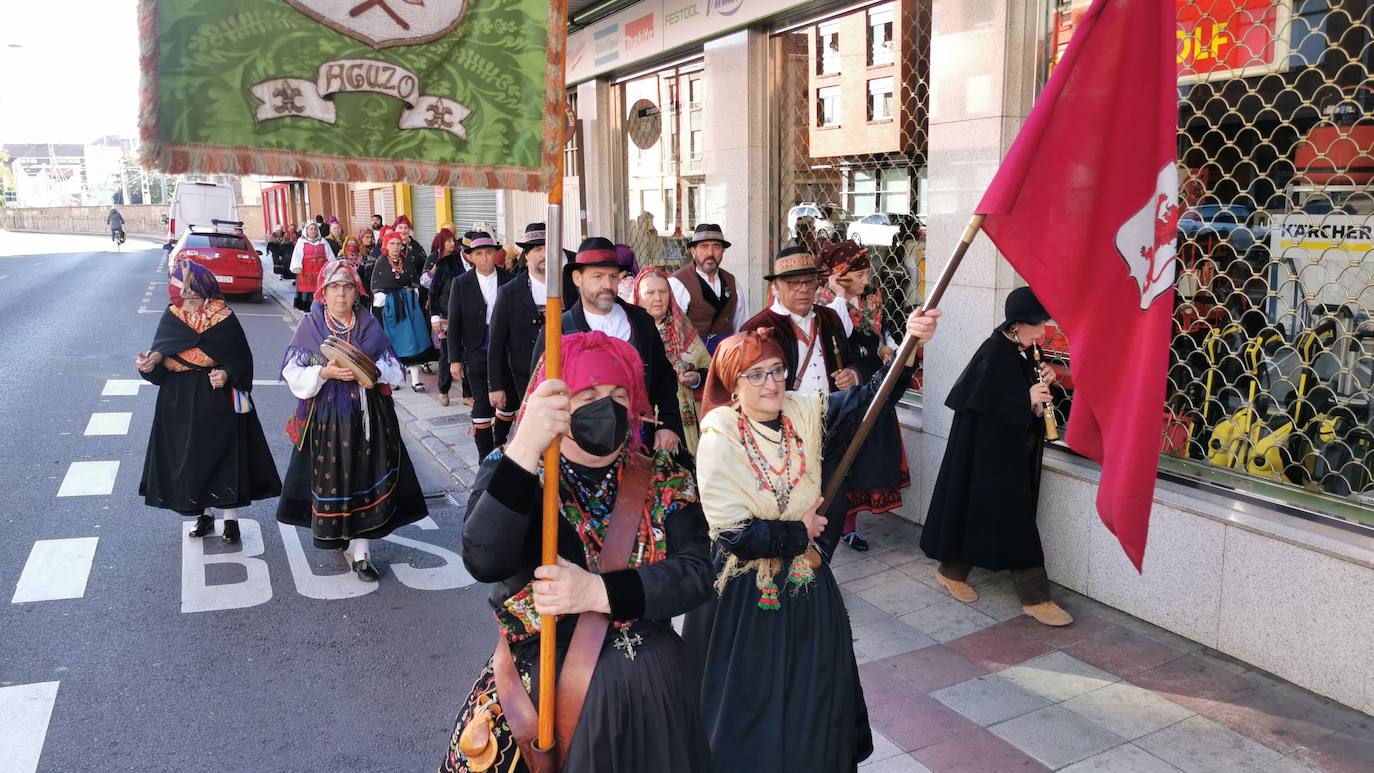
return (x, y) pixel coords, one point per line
(1022, 306)
(533, 237)
(708, 232)
(793, 261)
(595, 251)
(479, 240)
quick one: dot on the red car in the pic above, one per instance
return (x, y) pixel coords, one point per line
(229, 256)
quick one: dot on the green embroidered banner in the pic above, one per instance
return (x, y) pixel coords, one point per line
(430, 92)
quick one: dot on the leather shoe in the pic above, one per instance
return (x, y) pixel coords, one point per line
(960, 590)
(1048, 613)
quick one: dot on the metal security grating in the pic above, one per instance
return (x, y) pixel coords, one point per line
(1272, 356)
(851, 100)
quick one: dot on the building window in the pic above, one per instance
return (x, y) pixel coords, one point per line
(880, 99)
(828, 49)
(880, 35)
(828, 106)
(694, 145)
(694, 95)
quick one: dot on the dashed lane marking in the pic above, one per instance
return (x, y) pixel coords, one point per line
(25, 711)
(121, 387)
(56, 569)
(87, 479)
(113, 423)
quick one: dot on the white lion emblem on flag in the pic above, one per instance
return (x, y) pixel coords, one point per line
(1147, 239)
(383, 23)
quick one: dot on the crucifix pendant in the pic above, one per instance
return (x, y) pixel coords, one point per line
(627, 643)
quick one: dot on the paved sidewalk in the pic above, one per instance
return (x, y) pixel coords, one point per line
(982, 688)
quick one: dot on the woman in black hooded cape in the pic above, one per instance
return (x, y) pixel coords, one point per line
(982, 512)
(206, 448)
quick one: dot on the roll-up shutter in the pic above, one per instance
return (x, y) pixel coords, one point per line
(385, 202)
(362, 209)
(472, 206)
(422, 202)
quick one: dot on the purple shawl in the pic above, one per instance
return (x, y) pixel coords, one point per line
(304, 350)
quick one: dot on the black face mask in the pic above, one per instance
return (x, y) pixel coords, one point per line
(601, 427)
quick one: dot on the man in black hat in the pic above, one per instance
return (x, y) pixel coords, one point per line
(707, 293)
(595, 272)
(983, 509)
(812, 337)
(471, 302)
(515, 324)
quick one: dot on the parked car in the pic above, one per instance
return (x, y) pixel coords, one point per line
(228, 254)
(831, 223)
(880, 228)
(199, 204)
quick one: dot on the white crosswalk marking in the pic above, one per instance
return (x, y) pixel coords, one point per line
(85, 479)
(121, 387)
(56, 569)
(113, 423)
(25, 711)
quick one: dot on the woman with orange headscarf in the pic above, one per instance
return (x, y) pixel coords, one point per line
(683, 346)
(781, 689)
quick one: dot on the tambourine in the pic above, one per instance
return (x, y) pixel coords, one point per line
(345, 355)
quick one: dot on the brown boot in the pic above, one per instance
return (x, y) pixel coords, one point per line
(1048, 613)
(959, 589)
(443, 398)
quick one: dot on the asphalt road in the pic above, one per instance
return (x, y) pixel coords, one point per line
(267, 656)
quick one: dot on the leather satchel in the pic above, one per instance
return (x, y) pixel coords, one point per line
(579, 664)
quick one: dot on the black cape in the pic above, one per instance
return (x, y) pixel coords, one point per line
(200, 452)
(983, 509)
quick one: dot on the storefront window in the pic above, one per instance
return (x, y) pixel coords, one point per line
(857, 178)
(1272, 355)
(664, 150)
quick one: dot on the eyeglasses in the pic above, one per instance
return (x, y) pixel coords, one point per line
(756, 377)
(810, 283)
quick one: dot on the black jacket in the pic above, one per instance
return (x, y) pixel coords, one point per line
(660, 379)
(467, 315)
(446, 271)
(515, 323)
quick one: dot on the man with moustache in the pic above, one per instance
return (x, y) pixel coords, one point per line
(707, 293)
(814, 344)
(515, 323)
(595, 272)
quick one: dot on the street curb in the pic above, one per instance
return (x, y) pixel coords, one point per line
(462, 474)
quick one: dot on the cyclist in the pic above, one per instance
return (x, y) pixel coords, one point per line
(116, 223)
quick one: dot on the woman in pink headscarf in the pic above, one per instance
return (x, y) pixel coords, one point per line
(681, 343)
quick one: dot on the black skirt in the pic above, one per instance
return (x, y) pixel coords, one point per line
(200, 453)
(344, 484)
(781, 691)
(640, 715)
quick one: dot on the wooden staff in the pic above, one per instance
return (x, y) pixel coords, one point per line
(553, 368)
(894, 372)
(1051, 426)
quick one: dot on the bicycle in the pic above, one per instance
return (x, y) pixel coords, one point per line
(117, 236)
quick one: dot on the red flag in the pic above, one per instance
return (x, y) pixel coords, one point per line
(1085, 207)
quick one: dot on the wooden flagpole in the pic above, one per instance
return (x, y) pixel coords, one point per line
(553, 368)
(894, 373)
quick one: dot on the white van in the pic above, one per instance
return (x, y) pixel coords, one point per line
(200, 203)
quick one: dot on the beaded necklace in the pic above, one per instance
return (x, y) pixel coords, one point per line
(343, 330)
(397, 265)
(776, 481)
